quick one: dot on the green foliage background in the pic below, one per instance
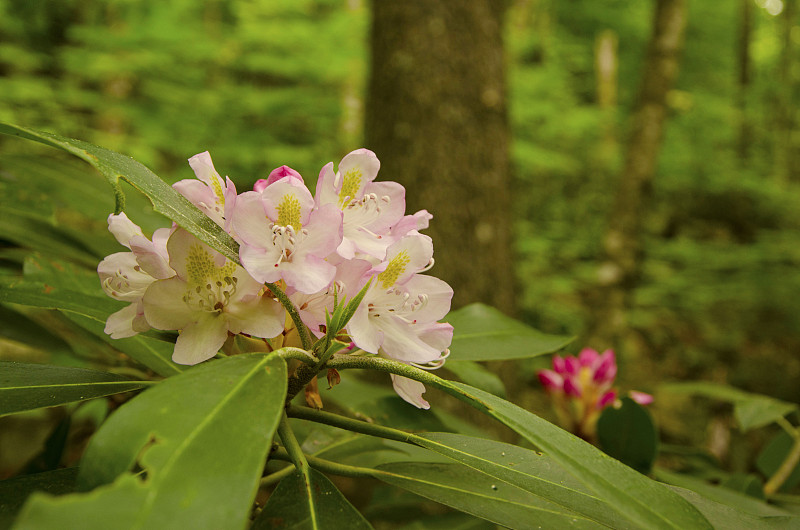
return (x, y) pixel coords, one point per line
(263, 83)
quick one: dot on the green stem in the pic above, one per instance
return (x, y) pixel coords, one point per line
(334, 468)
(287, 304)
(342, 422)
(790, 462)
(373, 362)
(289, 352)
(293, 450)
(274, 478)
(417, 374)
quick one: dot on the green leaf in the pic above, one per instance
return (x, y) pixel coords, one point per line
(297, 505)
(724, 516)
(153, 353)
(163, 197)
(200, 438)
(644, 502)
(482, 333)
(718, 494)
(773, 455)
(628, 434)
(15, 491)
(39, 294)
(32, 386)
(534, 472)
(745, 483)
(751, 410)
(478, 494)
(478, 376)
(91, 312)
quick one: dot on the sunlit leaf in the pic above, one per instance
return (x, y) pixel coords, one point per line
(201, 438)
(482, 333)
(296, 504)
(31, 386)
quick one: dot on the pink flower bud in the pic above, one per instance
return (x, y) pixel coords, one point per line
(606, 369)
(606, 399)
(571, 388)
(640, 397)
(551, 381)
(588, 357)
(559, 365)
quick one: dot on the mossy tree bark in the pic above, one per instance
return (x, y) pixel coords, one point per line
(436, 117)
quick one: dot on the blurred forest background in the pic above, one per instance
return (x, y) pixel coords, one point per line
(716, 290)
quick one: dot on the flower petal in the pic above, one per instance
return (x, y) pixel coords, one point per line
(120, 324)
(410, 390)
(201, 340)
(164, 307)
(122, 228)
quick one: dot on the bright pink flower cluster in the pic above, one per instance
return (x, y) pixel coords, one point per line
(317, 247)
(582, 387)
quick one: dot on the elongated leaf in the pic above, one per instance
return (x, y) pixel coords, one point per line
(163, 197)
(534, 472)
(724, 516)
(478, 494)
(39, 294)
(31, 386)
(201, 438)
(482, 333)
(318, 505)
(718, 494)
(751, 410)
(476, 375)
(644, 502)
(151, 352)
(91, 313)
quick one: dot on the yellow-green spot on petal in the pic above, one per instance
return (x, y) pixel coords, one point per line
(200, 267)
(351, 185)
(289, 212)
(393, 271)
(217, 187)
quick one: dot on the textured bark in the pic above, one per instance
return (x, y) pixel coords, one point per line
(623, 243)
(436, 118)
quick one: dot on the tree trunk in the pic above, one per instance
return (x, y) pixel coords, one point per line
(785, 157)
(622, 244)
(436, 118)
(743, 55)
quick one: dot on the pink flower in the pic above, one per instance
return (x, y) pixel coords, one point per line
(214, 196)
(285, 237)
(582, 387)
(127, 275)
(369, 208)
(208, 298)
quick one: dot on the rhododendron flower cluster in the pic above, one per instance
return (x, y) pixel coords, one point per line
(581, 388)
(351, 235)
